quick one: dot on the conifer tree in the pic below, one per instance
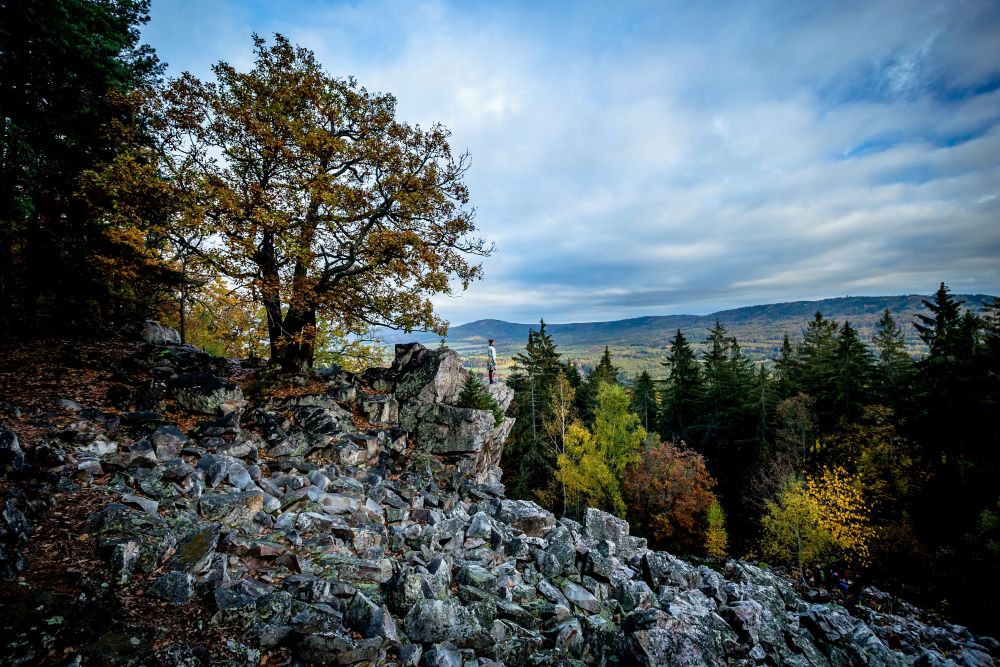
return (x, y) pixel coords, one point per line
(815, 364)
(852, 375)
(604, 373)
(938, 330)
(787, 370)
(726, 428)
(893, 365)
(530, 458)
(681, 390)
(644, 401)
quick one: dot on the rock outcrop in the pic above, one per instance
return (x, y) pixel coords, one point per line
(365, 524)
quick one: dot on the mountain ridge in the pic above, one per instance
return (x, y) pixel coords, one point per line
(639, 343)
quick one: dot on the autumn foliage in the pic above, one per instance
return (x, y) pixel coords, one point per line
(669, 494)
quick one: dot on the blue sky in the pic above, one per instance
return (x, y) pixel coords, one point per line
(647, 158)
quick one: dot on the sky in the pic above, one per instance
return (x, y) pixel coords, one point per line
(654, 158)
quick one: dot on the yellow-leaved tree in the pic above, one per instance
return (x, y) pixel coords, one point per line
(592, 467)
(582, 471)
(792, 529)
(821, 519)
(318, 200)
(716, 537)
(843, 512)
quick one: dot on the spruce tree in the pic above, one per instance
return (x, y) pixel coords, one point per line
(530, 459)
(681, 390)
(852, 375)
(938, 330)
(644, 401)
(604, 373)
(893, 365)
(787, 370)
(816, 367)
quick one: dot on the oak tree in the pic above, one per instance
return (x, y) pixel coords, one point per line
(322, 202)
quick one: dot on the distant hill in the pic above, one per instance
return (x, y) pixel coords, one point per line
(640, 343)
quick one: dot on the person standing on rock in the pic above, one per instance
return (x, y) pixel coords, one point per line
(491, 359)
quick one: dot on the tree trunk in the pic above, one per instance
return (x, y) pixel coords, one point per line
(295, 348)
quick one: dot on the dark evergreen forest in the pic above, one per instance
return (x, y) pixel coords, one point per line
(846, 454)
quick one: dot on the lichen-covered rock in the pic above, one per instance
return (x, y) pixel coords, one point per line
(174, 587)
(434, 621)
(195, 550)
(446, 429)
(526, 516)
(370, 619)
(598, 526)
(11, 456)
(655, 637)
(203, 392)
(581, 597)
(231, 508)
(154, 333)
(131, 539)
(427, 376)
(336, 647)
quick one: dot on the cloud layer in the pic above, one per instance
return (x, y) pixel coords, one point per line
(665, 157)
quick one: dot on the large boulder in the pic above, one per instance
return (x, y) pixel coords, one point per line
(427, 376)
(433, 621)
(203, 392)
(155, 333)
(11, 454)
(446, 429)
(427, 384)
(527, 516)
(599, 526)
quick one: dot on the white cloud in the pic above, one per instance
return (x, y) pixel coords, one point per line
(656, 158)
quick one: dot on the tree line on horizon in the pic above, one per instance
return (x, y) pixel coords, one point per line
(842, 453)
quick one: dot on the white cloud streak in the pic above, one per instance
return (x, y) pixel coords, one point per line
(678, 157)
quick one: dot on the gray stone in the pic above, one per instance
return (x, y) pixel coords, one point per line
(194, 552)
(203, 392)
(581, 597)
(174, 587)
(410, 654)
(380, 409)
(359, 570)
(308, 587)
(168, 441)
(526, 516)
(434, 621)
(176, 470)
(11, 454)
(336, 648)
(139, 502)
(600, 525)
(155, 333)
(231, 508)
(654, 637)
(551, 593)
(827, 624)
(443, 655)
(477, 577)
(569, 637)
(232, 607)
(369, 619)
(562, 547)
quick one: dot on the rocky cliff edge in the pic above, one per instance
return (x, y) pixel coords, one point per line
(360, 520)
